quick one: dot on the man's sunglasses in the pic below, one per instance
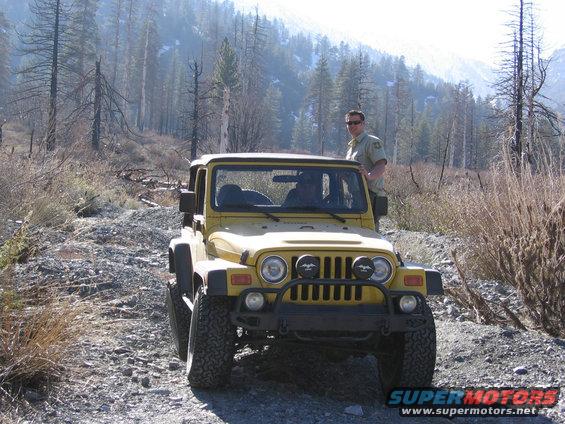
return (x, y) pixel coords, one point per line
(353, 122)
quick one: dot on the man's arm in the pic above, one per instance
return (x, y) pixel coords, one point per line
(376, 172)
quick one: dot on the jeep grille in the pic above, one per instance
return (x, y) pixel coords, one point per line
(330, 268)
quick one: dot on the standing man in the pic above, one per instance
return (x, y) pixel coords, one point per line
(369, 151)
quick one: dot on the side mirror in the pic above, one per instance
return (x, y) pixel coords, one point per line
(187, 202)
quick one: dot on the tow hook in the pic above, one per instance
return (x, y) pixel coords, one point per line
(385, 329)
(283, 327)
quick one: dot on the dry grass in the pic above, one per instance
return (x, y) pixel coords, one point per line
(515, 225)
(520, 240)
(57, 190)
(39, 324)
(36, 331)
(416, 203)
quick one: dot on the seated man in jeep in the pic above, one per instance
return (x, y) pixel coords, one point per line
(306, 193)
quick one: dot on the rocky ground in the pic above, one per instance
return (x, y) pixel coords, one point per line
(124, 370)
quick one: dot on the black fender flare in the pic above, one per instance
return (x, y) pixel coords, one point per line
(212, 276)
(180, 263)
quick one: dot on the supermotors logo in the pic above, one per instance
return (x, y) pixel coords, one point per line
(473, 401)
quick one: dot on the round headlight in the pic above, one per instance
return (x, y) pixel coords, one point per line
(254, 301)
(407, 304)
(383, 270)
(273, 269)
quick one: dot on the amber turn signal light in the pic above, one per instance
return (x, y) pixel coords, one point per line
(241, 279)
(413, 280)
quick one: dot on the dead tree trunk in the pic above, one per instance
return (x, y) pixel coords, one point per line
(516, 146)
(195, 109)
(225, 121)
(52, 120)
(116, 42)
(142, 99)
(31, 143)
(97, 107)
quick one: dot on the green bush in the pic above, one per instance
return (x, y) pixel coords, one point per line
(17, 248)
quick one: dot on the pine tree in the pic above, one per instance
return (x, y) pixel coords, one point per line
(401, 101)
(319, 99)
(272, 106)
(128, 81)
(302, 133)
(79, 53)
(422, 136)
(147, 66)
(4, 61)
(41, 42)
(118, 10)
(344, 100)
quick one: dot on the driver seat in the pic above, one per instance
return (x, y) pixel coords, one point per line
(230, 195)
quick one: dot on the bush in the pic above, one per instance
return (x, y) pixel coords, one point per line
(520, 239)
(17, 248)
(514, 225)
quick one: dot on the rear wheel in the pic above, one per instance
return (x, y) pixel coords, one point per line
(211, 342)
(410, 357)
(179, 319)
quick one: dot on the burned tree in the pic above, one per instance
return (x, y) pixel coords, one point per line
(521, 78)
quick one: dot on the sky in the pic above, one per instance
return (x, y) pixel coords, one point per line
(473, 29)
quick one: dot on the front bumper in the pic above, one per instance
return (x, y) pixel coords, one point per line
(290, 317)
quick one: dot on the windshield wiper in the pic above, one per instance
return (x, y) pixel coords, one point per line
(255, 208)
(319, 209)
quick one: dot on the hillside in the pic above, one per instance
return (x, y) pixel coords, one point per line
(555, 89)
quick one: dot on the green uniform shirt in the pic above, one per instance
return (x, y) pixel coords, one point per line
(368, 150)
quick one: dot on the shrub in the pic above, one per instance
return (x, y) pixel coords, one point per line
(17, 248)
(520, 239)
(514, 225)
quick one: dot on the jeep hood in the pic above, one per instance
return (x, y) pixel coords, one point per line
(231, 241)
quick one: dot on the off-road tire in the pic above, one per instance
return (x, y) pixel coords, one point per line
(179, 319)
(211, 342)
(410, 358)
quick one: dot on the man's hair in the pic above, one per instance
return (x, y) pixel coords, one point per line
(357, 113)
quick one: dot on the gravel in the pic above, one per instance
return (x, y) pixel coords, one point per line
(124, 369)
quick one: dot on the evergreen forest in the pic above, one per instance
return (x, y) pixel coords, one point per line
(220, 79)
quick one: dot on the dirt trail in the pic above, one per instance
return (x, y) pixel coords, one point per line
(127, 371)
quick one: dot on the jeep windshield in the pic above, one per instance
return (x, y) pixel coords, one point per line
(291, 188)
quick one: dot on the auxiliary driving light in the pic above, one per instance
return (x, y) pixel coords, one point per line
(363, 267)
(308, 266)
(407, 304)
(254, 301)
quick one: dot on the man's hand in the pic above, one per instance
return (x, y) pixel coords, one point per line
(363, 171)
(377, 171)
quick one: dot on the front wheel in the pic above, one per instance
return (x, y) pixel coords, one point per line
(211, 342)
(410, 357)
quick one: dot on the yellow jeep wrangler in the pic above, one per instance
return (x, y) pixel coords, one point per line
(280, 248)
